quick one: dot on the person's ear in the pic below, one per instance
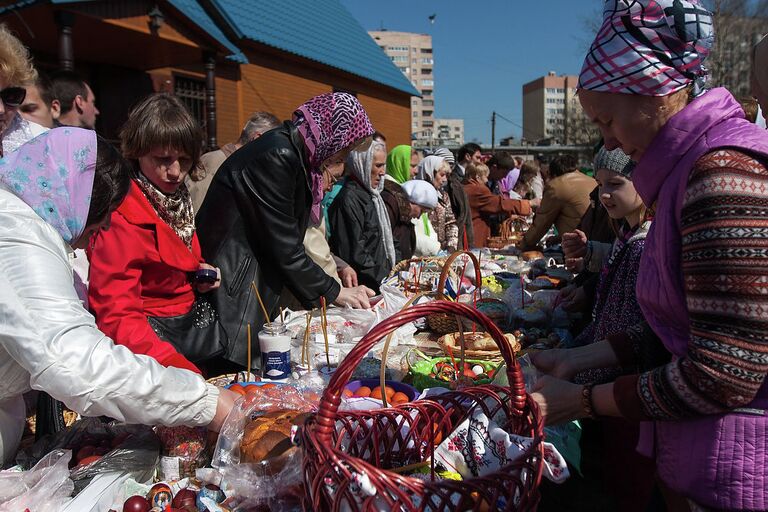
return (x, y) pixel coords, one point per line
(55, 109)
(79, 104)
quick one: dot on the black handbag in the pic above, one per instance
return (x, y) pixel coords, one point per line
(197, 335)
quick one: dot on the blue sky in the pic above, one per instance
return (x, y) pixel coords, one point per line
(486, 50)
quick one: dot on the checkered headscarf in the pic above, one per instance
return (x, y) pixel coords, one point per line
(649, 48)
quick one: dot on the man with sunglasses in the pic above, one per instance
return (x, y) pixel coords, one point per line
(15, 129)
(74, 99)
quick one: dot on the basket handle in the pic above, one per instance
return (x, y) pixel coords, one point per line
(385, 350)
(331, 399)
(447, 269)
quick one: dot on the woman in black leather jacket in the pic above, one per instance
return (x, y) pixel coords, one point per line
(360, 231)
(252, 222)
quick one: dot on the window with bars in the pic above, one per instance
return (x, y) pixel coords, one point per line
(191, 91)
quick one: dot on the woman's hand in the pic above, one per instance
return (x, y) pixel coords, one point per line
(357, 297)
(348, 277)
(204, 287)
(559, 401)
(556, 362)
(226, 401)
(535, 202)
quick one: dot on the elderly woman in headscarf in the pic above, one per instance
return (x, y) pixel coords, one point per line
(435, 170)
(55, 193)
(400, 168)
(702, 167)
(253, 219)
(360, 231)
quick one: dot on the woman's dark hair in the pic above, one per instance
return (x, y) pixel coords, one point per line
(111, 181)
(162, 120)
(563, 165)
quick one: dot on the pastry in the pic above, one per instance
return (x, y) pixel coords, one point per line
(268, 438)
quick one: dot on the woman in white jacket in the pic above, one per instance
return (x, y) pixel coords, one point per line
(55, 192)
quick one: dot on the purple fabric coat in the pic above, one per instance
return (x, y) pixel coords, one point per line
(720, 460)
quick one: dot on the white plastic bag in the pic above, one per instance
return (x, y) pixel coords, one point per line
(43, 488)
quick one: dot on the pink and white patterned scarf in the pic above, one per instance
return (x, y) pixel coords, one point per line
(649, 48)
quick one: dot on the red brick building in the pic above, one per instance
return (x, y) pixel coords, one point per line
(224, 58)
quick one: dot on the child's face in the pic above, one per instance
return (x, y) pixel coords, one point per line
(617, 194)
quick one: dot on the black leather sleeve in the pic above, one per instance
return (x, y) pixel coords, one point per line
(264, 192)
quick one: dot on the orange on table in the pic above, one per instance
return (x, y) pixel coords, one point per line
(252, 388)
(237, 388)
(347, 393)
(399, 398)
(363, 391)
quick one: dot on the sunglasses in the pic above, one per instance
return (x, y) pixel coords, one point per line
(13, 96)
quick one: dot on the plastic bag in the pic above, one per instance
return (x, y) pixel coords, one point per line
(47, 486)
(138, 454)
(250, 483)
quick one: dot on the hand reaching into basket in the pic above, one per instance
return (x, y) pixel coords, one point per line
(357, 297)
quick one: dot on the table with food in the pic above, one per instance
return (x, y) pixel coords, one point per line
(419, 403)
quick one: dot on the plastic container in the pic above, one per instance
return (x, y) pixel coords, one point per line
(275, 345)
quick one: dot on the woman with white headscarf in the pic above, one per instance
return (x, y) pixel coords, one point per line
(360, 231)
(435, 170)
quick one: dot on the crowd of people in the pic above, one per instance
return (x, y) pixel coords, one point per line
(131, 272)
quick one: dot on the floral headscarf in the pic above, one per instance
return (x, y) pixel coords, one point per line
(329, 123)
(399, 163)
(53, 174)
(649, 48)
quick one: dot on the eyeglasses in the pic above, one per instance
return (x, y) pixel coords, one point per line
(13, 96)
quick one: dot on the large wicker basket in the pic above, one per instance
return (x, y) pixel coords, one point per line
(446, 324)
(353, 459)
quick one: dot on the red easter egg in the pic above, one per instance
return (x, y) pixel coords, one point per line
(136, 504)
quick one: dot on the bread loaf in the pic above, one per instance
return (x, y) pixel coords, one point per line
(262, 435)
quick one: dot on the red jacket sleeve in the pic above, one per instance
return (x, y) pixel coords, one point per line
(489, 203)
(114, 292)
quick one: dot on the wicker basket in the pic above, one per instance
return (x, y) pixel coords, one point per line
(432, 265)
(510, 233)
(442, 323)
(353, 460)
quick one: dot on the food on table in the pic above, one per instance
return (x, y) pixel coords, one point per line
(185, 499)
(265, 436)
(532, 255)
(136, 504)
(160, 495)
(363, 391)
(400, 398)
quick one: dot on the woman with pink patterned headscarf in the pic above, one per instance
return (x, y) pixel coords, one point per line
(703, 169)
(257, 210)
(55, 192)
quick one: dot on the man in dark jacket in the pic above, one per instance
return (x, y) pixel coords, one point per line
(468, 153)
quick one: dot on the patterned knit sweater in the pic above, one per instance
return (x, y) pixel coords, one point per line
(725, 271)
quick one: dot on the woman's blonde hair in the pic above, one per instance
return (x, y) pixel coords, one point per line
(474, 171)
(162, 120)
(15, 63)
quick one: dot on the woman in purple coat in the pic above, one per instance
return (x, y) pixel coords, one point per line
(703, 279)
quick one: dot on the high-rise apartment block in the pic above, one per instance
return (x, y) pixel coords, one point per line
(548, 102)
(412, 53)
(449, 132)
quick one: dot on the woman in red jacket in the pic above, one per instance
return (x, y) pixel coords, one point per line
(142, 270)
(484, 203)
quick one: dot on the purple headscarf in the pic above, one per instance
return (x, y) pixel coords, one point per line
(53, 174)
(509, 181)
(649, 48)
(329, 123)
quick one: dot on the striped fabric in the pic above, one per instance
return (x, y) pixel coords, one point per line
(649, 47)
(725, 270)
